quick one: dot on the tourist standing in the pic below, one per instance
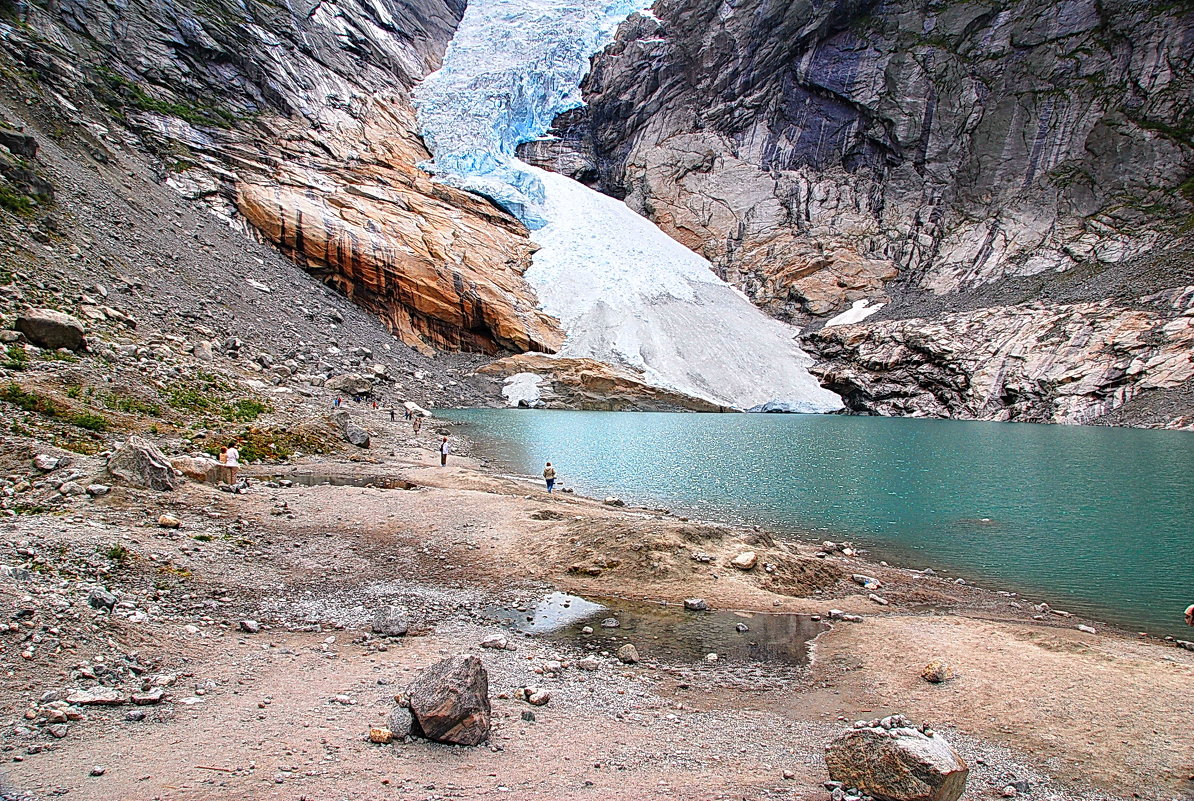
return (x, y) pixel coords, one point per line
(393, 414)
(418, 423)
(232, 461)
(1190, 615)
(444, 449)
(549, 475)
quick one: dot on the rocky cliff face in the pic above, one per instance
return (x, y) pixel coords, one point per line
(825, 153)
(294, 122)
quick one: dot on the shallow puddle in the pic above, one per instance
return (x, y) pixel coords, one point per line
(666, 633)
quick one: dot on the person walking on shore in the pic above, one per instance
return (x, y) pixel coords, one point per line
(444, 449)
(393, 414)
(549, 475)
(418, 423)
(1190, 615)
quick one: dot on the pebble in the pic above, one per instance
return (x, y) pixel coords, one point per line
(98, 770)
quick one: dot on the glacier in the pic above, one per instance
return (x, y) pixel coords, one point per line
(625, 292)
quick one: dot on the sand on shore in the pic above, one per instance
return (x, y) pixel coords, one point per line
(284, 713)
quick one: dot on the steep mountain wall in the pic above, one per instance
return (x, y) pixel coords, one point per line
(919, 155)
(295, 122)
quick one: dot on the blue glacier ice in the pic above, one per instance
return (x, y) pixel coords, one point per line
(624, 291)
(512, 66)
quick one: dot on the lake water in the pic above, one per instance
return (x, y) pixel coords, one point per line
(1092, 520)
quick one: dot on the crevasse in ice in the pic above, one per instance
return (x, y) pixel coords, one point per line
(625, 292)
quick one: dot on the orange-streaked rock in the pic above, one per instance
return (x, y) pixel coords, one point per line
(442, 267)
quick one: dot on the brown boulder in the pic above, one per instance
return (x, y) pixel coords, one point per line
(450, 701)
(51, 329)
(897, 764)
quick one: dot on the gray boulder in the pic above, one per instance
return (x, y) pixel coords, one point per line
(349, 384)
(391, 621)
(139, 463)
(900, 763)
(400, 722)
(51, 329)
(352, 433)
(449, 702)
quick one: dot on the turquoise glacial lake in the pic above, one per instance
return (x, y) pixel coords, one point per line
(1097, 521)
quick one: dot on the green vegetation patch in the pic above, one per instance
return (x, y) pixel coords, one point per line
(29, 401)
(269, 445)
(195, 113)
(208, 394)
(15, 357)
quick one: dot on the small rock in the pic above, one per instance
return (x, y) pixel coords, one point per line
(46, 462)
(96, 696)
(99, 598)
(391, 621)
(612, 501)
(152, 696)
(938, 671)
(135, 715)
(98, 770)
(741, 628)
(878, 599)
(381, 735)
(169, 521)
(58, 730)
(610, 623)
(745, 560)
(628, 654)
(589, 663)
(1087, 629)
(498, 642)
(250, 626)
(696, 605)
(711, 657)
(96, 490)
(536, 696)
(399, 722)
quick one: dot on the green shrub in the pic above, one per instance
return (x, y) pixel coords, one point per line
(89, 420)
(29, 401)
(16, 357)
(246, 410)
(118, 553)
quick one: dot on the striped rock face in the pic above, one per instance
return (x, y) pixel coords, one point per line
(450, 701)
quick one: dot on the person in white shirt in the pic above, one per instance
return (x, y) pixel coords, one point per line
(232, 462)
(444, 449)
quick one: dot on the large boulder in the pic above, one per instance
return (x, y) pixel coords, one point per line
(139, 463)
(198, 468)
(349, 384)
(352, 433)
(47, 328)
(897, 762)
(450, 701)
